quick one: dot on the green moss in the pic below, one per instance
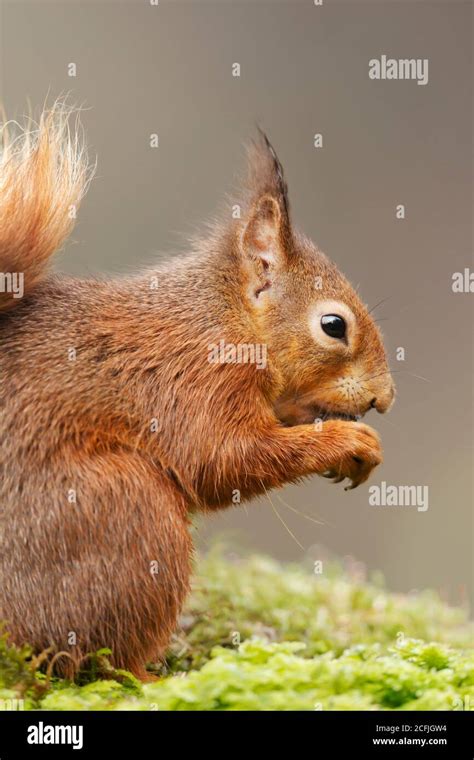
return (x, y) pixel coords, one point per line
(256, 596)
(309, 642)
(276, 676)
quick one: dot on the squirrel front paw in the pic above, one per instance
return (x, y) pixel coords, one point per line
(355, 451)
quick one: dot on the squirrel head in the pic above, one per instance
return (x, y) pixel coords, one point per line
(321, 339)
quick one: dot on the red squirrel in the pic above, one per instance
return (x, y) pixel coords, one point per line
(127, 404)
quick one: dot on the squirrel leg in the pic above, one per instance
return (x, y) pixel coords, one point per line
(109, 570)
(340, 449)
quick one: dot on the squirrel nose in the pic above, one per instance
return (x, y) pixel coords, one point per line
(383, 403)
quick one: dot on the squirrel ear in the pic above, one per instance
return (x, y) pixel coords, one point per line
(267, 233)
(262, 234)
(263, 248)
(265, 175)
(266, 238)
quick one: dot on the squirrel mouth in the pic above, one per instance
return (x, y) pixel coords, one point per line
(320, 413)
(293, 412)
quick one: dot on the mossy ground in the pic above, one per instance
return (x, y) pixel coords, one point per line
(258, 635)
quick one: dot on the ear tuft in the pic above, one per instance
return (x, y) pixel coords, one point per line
(265, 173)
(279, 177)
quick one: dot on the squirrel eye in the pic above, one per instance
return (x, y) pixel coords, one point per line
(333, 325)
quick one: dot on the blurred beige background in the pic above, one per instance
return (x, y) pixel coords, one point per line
(143, 69)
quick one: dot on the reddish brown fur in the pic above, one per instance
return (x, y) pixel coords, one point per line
(142, 355)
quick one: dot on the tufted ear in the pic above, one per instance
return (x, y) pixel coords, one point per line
(266, 238)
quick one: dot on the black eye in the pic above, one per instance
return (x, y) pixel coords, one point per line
(334, 326)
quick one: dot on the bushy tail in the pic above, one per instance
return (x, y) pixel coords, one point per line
(44, 174)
